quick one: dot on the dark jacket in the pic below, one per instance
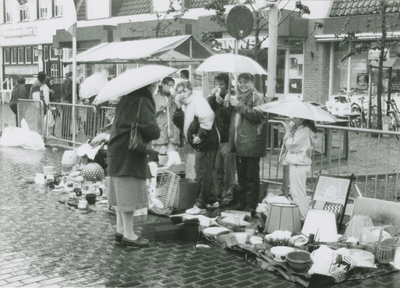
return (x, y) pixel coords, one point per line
(121, 160)
(66, 90)
(252, 129)
(19, 92)
(35, 88)
(223, 116)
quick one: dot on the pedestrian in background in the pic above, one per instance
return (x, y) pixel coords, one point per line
(202, 135)
(184, 74)
(165, 109)
(247, 138)
(18, 92)
(35, 94)
(128, 170)
(225, 166)
(299, 142)
(66, 88)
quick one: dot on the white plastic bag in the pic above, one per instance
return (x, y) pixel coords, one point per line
(49, 119)
(34, 141)
(15, 136)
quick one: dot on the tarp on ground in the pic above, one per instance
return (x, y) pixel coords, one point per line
(184, 48)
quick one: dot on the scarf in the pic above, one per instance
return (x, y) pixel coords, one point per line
(238, 118)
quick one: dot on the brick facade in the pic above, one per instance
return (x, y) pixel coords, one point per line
(316, 68)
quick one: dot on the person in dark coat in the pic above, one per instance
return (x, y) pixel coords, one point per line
(248, 138)
(128, 170)
(18, 92)
(225, 166)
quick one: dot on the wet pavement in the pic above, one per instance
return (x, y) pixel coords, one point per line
(45, 243)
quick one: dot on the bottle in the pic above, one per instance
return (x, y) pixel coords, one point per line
(236, 228)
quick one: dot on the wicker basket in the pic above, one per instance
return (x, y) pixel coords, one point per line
(167, 188)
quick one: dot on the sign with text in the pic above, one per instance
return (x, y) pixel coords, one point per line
(19, 32)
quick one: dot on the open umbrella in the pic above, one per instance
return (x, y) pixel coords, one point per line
(93, 84)
(297, 109)
(132, 80)
(231, 63)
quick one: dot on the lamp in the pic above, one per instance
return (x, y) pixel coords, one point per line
(283, 217)
(322, 224)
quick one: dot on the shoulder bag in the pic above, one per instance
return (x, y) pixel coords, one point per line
(136, 141)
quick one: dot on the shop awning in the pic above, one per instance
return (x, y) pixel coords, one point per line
(178, 48)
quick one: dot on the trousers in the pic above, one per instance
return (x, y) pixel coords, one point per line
(248, 173)
(298, 177)
(224, 171)
(204, 171)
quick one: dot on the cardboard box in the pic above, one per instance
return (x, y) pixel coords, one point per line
(162, 231)
(186, 195)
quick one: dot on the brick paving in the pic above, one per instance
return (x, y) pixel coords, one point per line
(44, 243)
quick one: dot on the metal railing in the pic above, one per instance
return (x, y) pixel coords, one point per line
(33, 113)
(373, 156)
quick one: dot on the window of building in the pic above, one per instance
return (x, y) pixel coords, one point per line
(13, 55)
(280, 71)
(24, 14)
(7, 58)
(8, 14)
(46, 52)
(21, 55)
(43, 6)
(58, 8)
(53, 53)
(35, 55)
(28, 54)
(54, 71)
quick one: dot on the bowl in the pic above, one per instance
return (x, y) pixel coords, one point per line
(279, 253)
(91, 198)
(221, 237)
(48, 170)
(299, 259)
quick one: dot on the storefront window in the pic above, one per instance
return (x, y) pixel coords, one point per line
(7, 57)
(14, 56)
(21, 55)
(46, 52)
(28, 54)
(35, 55)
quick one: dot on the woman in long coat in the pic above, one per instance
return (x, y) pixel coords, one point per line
(128, 170)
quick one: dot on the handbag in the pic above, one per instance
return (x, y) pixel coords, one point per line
(136, 141)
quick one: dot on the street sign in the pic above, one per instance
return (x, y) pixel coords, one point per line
(239, 22)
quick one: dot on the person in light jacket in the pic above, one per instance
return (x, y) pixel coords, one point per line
(299, 142)
(247, 138)
(201, 133)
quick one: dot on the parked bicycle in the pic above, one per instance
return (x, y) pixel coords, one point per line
(394, 114)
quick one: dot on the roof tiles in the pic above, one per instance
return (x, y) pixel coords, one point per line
(361, 7)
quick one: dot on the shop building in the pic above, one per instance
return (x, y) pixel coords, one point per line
(329, 72)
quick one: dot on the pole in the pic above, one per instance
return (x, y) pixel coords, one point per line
(73, 87)
(272, 50)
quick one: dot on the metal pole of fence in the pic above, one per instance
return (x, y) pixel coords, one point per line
(73, 87)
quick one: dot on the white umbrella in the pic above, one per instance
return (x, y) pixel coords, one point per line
(92, 85)
(132, 80)
(297, 109)
(231, 63)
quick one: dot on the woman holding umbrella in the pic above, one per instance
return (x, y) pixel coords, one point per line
(128, 170)
(299, 141)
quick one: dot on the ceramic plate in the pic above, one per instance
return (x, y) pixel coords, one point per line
(214, 231)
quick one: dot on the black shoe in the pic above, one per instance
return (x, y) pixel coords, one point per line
(118, 237)
(238, 207)
(140, 242)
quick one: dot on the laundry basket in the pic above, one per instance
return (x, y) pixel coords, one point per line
(167, 188)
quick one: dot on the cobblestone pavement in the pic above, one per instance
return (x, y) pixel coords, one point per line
(44, 243)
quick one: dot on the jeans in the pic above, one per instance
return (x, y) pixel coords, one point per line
(248, 172)
(204, 171)
(224, 171)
